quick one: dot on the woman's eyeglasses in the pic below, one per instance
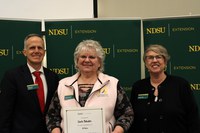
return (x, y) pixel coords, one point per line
(151, 57)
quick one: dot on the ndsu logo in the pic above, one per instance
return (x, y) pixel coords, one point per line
(106, 50)
(58, 32)
(194, 48)
(158, 30)
(4, 52)
(195, 86)
(60, 70)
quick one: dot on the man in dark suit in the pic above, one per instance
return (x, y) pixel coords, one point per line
(20, 110)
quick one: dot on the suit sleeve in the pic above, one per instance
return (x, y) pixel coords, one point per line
(7, 102)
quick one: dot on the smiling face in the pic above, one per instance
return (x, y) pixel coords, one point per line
(155, 63)
(34, 51)
(88, 61)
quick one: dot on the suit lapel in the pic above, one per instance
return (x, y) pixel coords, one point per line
(27, 75)
(29, 80)
(48, 80)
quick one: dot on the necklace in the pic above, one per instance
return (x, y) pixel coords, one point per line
(156, 94)
(155, 84)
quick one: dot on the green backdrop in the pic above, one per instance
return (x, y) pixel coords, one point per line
(121, 42)
(119, 38)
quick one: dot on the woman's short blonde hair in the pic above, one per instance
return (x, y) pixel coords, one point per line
(86, 45)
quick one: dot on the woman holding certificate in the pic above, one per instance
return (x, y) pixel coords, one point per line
(90, 87)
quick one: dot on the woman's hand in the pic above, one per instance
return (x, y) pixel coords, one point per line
(56, 130)
(118, 129)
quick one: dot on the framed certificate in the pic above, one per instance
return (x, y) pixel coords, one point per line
(84, 120)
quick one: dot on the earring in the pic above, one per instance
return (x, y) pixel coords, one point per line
(165, 69)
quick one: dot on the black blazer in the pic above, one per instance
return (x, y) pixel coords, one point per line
(20, 109)
(175, 111)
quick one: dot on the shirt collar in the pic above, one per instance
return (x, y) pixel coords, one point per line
(33, 70)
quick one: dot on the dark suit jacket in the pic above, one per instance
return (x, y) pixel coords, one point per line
(20, 110)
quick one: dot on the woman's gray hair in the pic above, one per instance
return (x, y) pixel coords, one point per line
(87, 45)
(159, 49)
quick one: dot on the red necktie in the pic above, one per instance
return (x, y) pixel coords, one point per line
(40, 90)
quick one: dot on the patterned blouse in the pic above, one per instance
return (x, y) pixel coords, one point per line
(84, 92)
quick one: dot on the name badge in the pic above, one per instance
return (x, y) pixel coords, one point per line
(32, 87)
(143, 96)
(69, 97)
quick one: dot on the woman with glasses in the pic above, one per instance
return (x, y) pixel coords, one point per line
(90, 87)
(162, 103)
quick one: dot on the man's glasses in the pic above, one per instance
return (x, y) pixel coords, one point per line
(157, 57)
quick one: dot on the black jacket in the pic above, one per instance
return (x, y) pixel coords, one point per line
(175, 111)
(20, 110)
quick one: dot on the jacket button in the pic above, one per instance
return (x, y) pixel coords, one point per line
(161, 117)
(145, 119)
(160, 100)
